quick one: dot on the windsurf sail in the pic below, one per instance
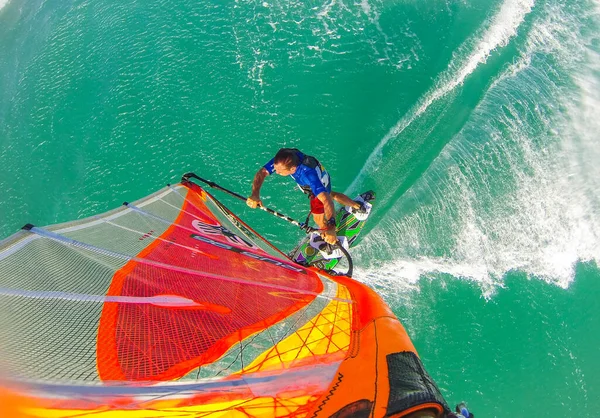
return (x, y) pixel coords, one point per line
(173, 306)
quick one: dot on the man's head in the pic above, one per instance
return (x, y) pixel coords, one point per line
(286, 161)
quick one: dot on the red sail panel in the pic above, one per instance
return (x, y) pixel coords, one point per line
(229, 281)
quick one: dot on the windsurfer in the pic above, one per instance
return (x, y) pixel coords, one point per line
(312, 178)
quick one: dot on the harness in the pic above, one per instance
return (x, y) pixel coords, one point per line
(310, 162)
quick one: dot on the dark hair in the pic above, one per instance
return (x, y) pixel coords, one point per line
(288, 157)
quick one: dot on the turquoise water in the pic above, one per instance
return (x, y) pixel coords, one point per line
(476, 123)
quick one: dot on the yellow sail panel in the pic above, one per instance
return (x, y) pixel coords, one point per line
(257, 407)
(324, 335)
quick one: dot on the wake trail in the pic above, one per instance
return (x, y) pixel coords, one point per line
(503, 26)
(536, 210)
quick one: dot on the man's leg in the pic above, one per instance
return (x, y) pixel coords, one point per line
(344, 200)
(319, 220)
(318, 212)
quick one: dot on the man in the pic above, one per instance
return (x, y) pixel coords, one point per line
(313, 180)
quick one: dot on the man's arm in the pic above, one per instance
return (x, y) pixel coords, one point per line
(254, 200)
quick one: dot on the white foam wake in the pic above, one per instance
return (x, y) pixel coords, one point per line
(3, 3)
(402, 275)
(502, 27)
(538, 212)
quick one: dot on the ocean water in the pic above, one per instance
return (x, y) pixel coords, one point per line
(476, 122)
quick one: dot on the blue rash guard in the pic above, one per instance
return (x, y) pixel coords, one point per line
(311, 176)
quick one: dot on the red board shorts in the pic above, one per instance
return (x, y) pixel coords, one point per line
(316, 206)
